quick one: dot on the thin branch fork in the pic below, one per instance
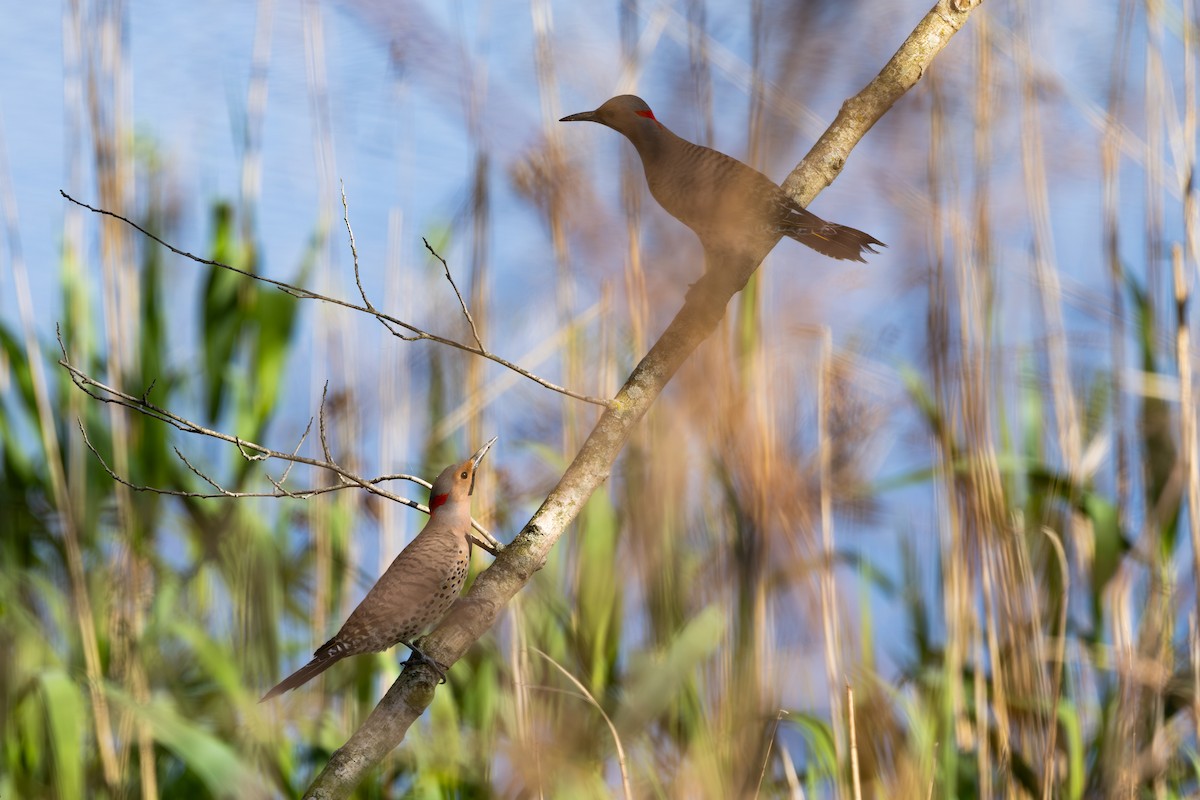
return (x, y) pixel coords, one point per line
(462, 303)
(394, 325)
(220, 491)
(251, 451)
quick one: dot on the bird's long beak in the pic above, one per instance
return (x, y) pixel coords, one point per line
(481, 452)
(582, 116)
(475, 459)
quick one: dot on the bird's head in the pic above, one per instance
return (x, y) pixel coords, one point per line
(625, 114)
(457, 481)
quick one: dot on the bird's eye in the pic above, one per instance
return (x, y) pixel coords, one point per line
(464, 475)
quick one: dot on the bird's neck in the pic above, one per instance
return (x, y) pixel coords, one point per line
(452, 514)
(650, 139)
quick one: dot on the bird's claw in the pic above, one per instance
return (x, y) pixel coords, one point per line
(421, 658)
(494, 549)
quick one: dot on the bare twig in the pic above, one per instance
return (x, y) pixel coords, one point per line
(492, 547)
(179, 454)
(280, 492)
(295, 451)
(354, 251)
(251, 451)
(242, 448)
(390, 322)
(321, 424)
(461, 303)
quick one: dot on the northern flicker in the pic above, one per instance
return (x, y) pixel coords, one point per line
(734, 209)
(419, 586)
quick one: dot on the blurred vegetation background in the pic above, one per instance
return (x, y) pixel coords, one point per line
(924, 528)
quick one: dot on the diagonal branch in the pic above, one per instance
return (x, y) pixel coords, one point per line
(393, 324)
(412, 692)
(859, 114)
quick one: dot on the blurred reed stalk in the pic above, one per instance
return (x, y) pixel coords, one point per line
(106, 97)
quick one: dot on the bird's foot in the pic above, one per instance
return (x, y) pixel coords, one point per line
(420, 657)
(494, 549)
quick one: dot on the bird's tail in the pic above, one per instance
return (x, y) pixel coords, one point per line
(321, 662)
(827, 238)
(838, 241)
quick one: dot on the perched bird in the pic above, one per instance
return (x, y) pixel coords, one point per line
(417, 589)
(734, 209)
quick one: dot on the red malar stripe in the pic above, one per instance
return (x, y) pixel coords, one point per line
(437, 501)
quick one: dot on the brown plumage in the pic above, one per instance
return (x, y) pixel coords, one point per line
(418, 587)
(733, 208)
